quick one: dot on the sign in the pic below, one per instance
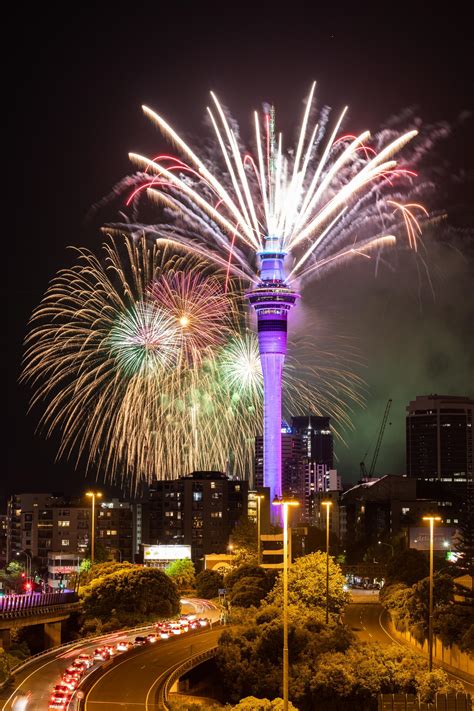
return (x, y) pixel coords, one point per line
(166, 552)
(222, 591)
(442, 538)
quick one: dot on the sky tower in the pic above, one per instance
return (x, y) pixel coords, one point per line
(272, 300)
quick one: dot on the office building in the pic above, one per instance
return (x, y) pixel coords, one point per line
(439, 451)
(199, 509)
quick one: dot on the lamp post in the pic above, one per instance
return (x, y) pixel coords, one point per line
(431, 520)
(285, 503)
(259, 498)
(93, 495)
(381, 543)
(328, 505)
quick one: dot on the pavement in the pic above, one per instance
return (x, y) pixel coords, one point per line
(41, 675)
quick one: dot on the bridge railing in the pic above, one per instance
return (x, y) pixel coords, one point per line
(29, 601)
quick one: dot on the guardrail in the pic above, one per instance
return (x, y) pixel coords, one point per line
(29, 601)
(178, 672)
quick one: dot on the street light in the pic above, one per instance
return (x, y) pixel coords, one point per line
(431, 520)
(259, 498)
(285, 503)
(328, 505)
(381, 543)
(93, 495)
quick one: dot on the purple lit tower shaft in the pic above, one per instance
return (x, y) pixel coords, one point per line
(272, 300)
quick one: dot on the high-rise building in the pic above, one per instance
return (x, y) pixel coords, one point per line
(115, 529)
(199, 509)
(317, 438)
(306, 462)
(439, 450)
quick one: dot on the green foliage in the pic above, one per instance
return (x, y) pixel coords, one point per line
(453, 622)
(208, 583)
(307, 585)
(353, 679)
(182, 573)
(100, 570)
(248, 585)
(250, 658)
(465, 538)
(131, 595)
(4, 666)
(251, 703)
(409, 608)
(244, 541)
(11, 577)
(408, 567)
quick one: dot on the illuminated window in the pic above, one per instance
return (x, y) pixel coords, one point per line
(63, 524)
(65, 542)
(197, 495)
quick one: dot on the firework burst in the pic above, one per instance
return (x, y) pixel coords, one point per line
(335, 197)
(105, 354)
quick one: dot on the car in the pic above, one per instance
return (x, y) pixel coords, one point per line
(203, 621)
(86, 658)
(123, 646)
(75, 671)
(139, 641)
(165, 632)
(111, 649)
(70, 680)
(102, 654)
(59, 700)
(194, 624)
(80, 664)
(62, 687)
(152, 638)
(175, 628)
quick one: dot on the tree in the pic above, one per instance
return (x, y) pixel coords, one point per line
(131, 596)
(89, 572)
(465, 536)
(408, 567)
(208, 583)
(307, 585)
(244, 541)
(251, 703)
(182, 573)
(418, 602)
(249, 592)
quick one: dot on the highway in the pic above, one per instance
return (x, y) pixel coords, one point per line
(366, 619)
(43, 673)
(133, 682)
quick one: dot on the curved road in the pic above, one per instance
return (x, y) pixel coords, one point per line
(367, 620)
(133, 683)
(40, 676)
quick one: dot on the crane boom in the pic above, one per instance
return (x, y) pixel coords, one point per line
(379, 439)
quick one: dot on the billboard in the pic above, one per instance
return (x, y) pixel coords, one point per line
(165, 552)
(443, 538)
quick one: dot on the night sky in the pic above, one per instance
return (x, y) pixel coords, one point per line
(74, 89)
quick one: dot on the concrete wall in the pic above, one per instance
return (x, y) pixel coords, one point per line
(448, 656)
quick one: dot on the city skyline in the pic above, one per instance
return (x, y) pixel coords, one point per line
(434, 339)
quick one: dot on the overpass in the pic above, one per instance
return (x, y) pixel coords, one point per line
(47, 609)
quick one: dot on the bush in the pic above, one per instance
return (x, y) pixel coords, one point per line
(208, 583)
(132, 595)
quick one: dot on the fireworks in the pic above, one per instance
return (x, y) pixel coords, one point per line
(133, 396)
(334, 198)
(276, 220)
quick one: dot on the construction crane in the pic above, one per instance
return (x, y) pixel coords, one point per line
(363, 470)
